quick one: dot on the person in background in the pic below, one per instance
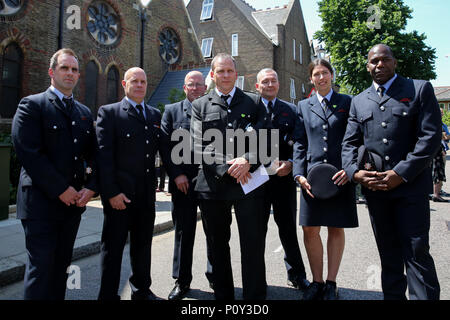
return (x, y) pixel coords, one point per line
(160, 174)
(281, 189)
(439, 165)
(177, 116)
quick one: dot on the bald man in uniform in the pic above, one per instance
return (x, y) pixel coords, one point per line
(129, 135)
(177, 117)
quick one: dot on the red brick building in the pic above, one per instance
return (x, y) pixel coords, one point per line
(106, 35)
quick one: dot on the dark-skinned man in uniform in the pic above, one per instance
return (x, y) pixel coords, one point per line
(398, 120)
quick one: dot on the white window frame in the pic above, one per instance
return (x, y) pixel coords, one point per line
(207, 10)
(301, 53)
(207, 44)
(292, 91)
(235, 45)
(240, 82)
(294, 49)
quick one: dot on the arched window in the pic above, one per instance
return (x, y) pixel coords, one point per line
(91, 78)
(11, 80)
(112, 85)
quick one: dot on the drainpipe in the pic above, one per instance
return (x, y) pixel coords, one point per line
(143, 16)
(61, 24)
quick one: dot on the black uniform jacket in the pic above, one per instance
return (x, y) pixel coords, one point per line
(210, 112)
(177, 118)
(56, 149)
(404, 128)
(127, 149)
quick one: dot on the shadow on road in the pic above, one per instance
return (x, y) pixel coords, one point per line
(286, 293)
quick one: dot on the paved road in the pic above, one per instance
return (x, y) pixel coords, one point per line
(358, 278)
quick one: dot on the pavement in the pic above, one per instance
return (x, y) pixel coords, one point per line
(360, 246)
(13, 255)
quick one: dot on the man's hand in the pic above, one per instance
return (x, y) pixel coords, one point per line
(119, 202)
(182, 183)
(305, 185)
(70, 196)
(239, 169)
(369, 179)
(388, 180)
(285, 167)
(340, 178)
(85, 196)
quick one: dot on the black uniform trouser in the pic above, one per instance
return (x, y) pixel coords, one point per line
(401, 226)
(139, 222)
(49, 245)
(184, 217)
(281, 194)
(216, 215)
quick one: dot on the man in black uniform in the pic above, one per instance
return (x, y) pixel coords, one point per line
(55, 142)
(220, 174)
(129, 135)
(177, 116)
(398, 119)
(281, 190)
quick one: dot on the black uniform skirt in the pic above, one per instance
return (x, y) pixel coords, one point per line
(338, 212)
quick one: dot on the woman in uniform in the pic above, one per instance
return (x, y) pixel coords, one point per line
(323, 120)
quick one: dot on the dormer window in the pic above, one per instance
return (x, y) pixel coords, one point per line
(207, 10)
(207, 47)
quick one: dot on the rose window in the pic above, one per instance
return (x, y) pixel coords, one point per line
(9, 7)
(169, 46)
(103, 23)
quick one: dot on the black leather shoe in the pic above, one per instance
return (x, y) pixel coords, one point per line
(439, 199)
(144, 296)
(314, 291)
(178, 292)
(330, 291)
(299, 283)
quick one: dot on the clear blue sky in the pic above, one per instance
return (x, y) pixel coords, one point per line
(429, 17)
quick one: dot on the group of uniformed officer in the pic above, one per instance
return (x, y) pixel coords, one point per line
(66, 161)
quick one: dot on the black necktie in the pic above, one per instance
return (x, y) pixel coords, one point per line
(69, 104)
(225, 99)
(381, 91)
(140, 112)
(270, 108)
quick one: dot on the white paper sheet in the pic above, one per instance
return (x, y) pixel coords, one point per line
(258, 178)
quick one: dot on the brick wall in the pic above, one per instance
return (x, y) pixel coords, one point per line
(35, 30)
(255, 50)
(286, 66)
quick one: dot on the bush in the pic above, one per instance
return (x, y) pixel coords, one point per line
(446, 118)
(176, 95)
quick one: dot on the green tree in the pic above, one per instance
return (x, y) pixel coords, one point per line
(176, 95)
(351, 27)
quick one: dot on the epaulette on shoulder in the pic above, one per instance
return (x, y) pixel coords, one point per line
(253, 95)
